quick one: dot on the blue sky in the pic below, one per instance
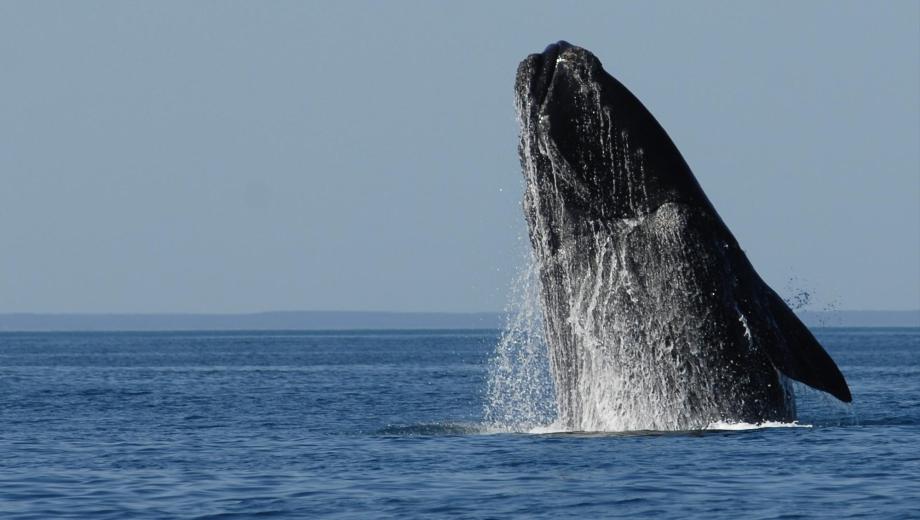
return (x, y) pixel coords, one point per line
(234, 157)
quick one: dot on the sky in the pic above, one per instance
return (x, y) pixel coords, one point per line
(258, 156)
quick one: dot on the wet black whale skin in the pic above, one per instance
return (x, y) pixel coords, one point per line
(584, 133)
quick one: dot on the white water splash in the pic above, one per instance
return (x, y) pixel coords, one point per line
(556, 428)
(520, 394)
(739, 426)
(520, 387)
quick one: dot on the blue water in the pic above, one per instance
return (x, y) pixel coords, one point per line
(387, 424)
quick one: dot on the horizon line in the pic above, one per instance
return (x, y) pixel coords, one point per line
(338, 311)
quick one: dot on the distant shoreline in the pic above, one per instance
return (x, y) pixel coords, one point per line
(358, 320)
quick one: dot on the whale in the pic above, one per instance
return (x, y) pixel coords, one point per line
(653, 316)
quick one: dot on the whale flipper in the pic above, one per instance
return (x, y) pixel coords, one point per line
(796, 353)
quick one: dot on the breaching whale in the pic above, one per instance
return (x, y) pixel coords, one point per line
(653, 315)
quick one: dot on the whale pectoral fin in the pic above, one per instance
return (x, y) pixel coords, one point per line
(797, 354)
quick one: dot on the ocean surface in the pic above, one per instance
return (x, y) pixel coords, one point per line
(390, 424)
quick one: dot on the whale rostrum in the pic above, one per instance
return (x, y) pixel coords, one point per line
(653, 315)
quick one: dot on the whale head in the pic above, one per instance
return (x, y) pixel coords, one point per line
(586, 135)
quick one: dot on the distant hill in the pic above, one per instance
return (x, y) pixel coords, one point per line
(335, 320)
(285, 320)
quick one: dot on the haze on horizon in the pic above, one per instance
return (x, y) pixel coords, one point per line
(243, 156)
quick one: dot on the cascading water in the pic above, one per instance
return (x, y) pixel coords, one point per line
(519, 393)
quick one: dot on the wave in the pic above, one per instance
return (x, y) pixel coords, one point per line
(430, 430)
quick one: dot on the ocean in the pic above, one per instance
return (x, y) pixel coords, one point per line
(392, 424)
